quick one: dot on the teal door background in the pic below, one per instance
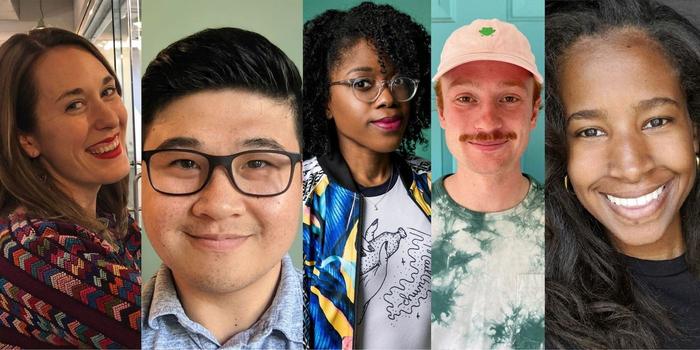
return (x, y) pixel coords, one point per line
(448, 15)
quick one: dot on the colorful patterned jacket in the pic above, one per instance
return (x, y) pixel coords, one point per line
(62, 286)
(332, 221)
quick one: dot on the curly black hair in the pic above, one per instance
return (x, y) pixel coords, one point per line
(395, 36)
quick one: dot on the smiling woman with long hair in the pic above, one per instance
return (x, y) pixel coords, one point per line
(623, 200)
(69, 255)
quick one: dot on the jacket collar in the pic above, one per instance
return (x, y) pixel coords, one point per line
(337, 169)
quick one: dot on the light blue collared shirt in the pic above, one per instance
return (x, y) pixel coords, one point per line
(166, 326)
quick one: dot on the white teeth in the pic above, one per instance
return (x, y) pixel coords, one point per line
(106, 148)
(638, 201)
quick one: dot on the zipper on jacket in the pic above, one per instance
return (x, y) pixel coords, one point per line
(358, 250)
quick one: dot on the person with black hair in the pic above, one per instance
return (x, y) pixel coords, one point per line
(623, 200)
(221, 193)
(367, 207)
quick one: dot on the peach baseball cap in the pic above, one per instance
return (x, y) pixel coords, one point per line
(487, 40)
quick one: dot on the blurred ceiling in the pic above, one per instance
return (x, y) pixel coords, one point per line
(17, 16)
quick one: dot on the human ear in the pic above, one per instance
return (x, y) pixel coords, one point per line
(535, 112)
(439, 103)
(329, 115)
(29, 145)
(441, 118)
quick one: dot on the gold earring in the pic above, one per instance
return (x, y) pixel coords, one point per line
(566, 183)
(697, 160)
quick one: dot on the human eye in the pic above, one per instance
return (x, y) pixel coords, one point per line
(362, 84)
(109, 91)
(74, 106)
(591, 132)
(185, 164)
(261, 161)
(400, 81)
(465, 99)
(256, 164)
(510, 99)
(656, 123)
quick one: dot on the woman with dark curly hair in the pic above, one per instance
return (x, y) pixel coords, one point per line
(623, 200)
(367, 206)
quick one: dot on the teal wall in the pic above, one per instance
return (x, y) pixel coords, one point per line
(448, 15)
(419, 10)
(166, 21)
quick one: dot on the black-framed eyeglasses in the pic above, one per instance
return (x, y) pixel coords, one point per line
(368, 89)
(259, 173)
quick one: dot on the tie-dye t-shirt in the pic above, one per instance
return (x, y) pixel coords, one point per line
(488, 274)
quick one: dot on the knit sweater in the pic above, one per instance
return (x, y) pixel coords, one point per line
(62, 286)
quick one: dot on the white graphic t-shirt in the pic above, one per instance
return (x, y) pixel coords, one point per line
(393, 309)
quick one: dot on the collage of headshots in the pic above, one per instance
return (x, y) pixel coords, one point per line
(350, 174)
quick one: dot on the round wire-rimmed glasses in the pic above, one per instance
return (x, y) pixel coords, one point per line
(258, 173)
(368, 89)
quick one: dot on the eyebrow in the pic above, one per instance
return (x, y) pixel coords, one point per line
(643, 105)
(462, 82)
(263, 143)
(513, 83)
(360, 69)
(192, 143)
(78, 91)
(180, 142)
(587, 114)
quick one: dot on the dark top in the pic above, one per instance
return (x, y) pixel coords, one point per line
(678, 291)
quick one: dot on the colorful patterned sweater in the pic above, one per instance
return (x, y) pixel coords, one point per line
(62, 286)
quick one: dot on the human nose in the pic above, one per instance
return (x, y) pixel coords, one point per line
(629, 158)
(385, 97)
(219, 199)
(107, 114)
(488, 118)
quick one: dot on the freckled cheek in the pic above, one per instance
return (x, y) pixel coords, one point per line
(163, 217)
(516, 117)
(280, 218)
(457, 119)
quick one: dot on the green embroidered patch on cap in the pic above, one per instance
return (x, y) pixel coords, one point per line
(487, 31)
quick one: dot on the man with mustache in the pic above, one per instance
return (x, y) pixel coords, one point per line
(488, 223)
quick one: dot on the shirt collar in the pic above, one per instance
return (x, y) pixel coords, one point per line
(282, 315)
(165, 302)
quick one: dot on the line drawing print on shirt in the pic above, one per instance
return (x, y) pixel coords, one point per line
(413, 285)
(374, 257)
